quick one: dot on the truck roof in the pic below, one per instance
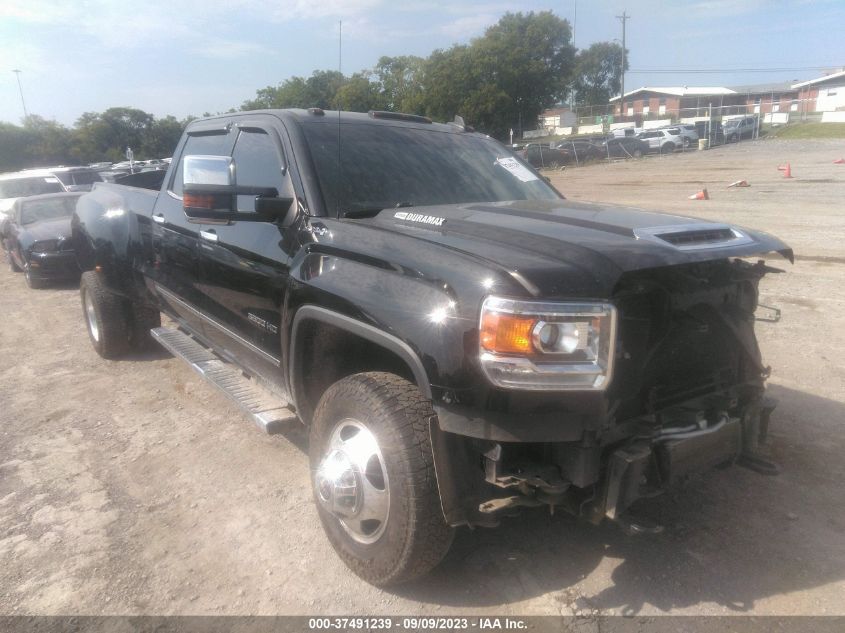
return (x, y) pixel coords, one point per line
(318, 115)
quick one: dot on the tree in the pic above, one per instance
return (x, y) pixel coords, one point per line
(318, 91)
(520, 66)
(15, 143)
(598, 72)
(401, 81)
(163, 136)
(50, 142)
(105, 136)
(359, 94)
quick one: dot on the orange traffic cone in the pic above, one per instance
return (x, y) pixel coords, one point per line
(839, 161)
(701, 195)
(739, 183)
(786, 169)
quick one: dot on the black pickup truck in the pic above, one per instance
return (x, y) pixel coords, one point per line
(460, 340)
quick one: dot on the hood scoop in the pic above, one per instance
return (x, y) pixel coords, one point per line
(691, 237)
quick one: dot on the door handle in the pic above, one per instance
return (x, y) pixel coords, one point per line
(158, 218)
(210, 235)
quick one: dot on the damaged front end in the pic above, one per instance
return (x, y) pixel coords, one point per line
(687, 394)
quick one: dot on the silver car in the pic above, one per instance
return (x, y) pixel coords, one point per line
(688, 133)
(662, 141)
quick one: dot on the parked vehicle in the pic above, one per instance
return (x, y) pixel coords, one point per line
(687, 132)
(37, 238)
(76, 178)
(736, 129)
(625, 131)
(578, 151)
(460, 340)
(662, 141)
(625, 147)
(25, 183)
(112, 175)
(543, 156)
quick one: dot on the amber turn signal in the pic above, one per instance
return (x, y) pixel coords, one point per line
(507, 333)
(199, 201)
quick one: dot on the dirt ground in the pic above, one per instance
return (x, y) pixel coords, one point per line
(132, 487)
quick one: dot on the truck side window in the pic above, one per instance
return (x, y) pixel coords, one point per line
(204, 144)
(257, 164)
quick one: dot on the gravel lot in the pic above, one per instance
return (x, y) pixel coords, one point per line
(132, 487)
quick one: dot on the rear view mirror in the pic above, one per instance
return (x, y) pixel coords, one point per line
(210, 191)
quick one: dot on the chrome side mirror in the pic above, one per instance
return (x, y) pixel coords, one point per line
(210, 191)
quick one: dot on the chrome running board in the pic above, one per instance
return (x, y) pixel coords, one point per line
(269, 413)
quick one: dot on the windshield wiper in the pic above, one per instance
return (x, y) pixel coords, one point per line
(369, 212)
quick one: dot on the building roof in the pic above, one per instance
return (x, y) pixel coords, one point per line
(818, 80)
(554, 111)
(681, 91)
(783, 86)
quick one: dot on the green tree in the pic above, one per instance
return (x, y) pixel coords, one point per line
(318, 91)
(598, 73)
(401, 81)
(162, 138)
(520, 66)
(51, 143)
(106, 135)
(15, 144)
(359, 94)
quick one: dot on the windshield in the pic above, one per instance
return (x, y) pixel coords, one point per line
(384, 166)
(22, 187)
(50, 209)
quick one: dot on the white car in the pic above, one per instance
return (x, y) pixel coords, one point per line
(662, 141)
(20, 184)
(688, 133)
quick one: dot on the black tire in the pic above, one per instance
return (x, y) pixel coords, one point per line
(108, 312)
(638, 153)
(12, 265)
(553, 165)
(733, 138)
(144, 318)
(668, 148)
(33, 282)
(415, 537)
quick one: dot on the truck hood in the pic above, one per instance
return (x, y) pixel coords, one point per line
(48, 229)
(534, 239)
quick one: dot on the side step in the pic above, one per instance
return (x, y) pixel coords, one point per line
(269, 413)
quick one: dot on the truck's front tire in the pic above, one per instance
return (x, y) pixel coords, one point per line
(105, 317)
(373, 478)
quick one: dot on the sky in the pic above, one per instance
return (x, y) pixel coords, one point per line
(187, 57)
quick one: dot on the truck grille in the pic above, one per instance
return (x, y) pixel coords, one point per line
(678, 338)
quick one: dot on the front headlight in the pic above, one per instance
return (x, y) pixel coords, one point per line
(547, 346)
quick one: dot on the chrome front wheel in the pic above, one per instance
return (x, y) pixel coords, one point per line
(373, 478)
(352, 482)
(91, 316)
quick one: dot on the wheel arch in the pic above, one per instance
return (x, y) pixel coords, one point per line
(385, 352)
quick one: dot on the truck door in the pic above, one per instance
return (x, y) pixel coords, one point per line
(245, 265)
(175, 239)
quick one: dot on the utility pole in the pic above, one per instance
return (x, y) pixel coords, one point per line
(23, 103)
(623, 18)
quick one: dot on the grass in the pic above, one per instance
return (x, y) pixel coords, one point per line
(809, 130)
